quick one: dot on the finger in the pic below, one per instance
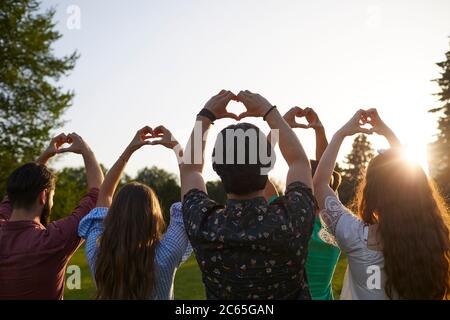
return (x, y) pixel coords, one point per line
(300, 125)
(233, 96)
(241, 96)
(228, 97)
(365, 130)
(64, 150)
(145, 130)
(160, 129)
(76, 135)
(61, 136)
(299, 112)
(231, 115)
(243, 115)
(373, 112)
(310, 112)
(146, 137)
(155, 142)
(72, 137)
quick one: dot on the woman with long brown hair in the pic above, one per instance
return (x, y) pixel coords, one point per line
(128, 253)
(398, 247)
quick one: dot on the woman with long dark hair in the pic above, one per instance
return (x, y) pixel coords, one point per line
(398, 245)
(128, 253)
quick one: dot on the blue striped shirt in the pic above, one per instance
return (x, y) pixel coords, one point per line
(173, 249)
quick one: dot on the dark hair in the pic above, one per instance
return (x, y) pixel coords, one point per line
(26, 182)
(412, 223)
(238, 158)
(125, 265)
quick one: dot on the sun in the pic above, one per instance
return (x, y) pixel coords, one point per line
(417, 154)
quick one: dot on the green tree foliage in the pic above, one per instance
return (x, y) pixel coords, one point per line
(440, 149)
(31, 102)
(356, 163)
(165, 185)
(71, 185)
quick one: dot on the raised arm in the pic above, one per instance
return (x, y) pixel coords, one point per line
(270, 191)
(321, 138)
(379, 127)
(328, 161)
(191, 168)
(94, 173)
(290, 146)
(112, 178)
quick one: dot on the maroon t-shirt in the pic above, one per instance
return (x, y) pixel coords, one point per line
(33, 258)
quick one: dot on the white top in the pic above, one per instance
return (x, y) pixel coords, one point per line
(364, 278)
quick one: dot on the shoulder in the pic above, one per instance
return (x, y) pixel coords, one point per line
(346, 226)
(196, 201)
(299, 191)
(93, 221)
(298, 197)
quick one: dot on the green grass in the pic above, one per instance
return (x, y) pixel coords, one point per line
(188, 284)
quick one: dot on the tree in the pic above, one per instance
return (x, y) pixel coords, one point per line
(440, 149)
(356, 162)
(31, 102)
(165, 185)
(71, 186)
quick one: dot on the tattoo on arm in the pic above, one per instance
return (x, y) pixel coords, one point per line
(332, 213)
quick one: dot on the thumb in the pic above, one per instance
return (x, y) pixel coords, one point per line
(366, 131)
(231, 115)
(243, 115)
(302, 126)
(63, 150)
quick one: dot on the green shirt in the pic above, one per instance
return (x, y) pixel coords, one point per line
(320, 265)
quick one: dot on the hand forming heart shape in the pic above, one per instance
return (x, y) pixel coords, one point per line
(356, 123)
(148, 136)
(256, 105)
(308, 113)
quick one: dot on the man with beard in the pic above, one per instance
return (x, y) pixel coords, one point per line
(33, 252)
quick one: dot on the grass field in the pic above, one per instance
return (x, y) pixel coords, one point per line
(188, 283)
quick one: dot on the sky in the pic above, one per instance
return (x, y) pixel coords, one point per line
(158, 62)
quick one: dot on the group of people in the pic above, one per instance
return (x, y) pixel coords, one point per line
(257, 245)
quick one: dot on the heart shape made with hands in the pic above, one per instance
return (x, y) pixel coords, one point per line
(308, 113)
(158, 136)
(367, 120)
(61, 142)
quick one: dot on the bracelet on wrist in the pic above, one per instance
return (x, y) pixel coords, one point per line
(268, 112)
(207, 114)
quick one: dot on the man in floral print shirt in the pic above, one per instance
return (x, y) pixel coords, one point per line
(248, 249)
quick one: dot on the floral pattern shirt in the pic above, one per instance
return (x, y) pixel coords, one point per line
(249, 249)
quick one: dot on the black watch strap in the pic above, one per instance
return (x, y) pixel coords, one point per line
(207, 114)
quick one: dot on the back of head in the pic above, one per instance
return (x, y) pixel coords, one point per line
(26, 182)
(242, 158)
(132, 229)
(412, 223)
